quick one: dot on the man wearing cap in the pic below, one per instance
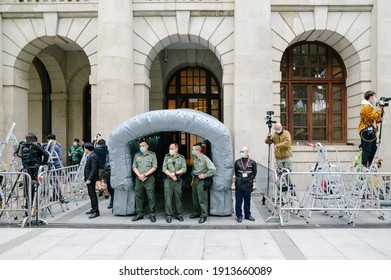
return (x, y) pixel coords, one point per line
(282, 141)
(174, 166)
(203, 168)
(144, 165)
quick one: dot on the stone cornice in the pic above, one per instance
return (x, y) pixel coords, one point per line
(331, 8)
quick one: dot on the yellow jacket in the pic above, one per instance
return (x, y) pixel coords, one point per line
(368, 115)
(282, 143)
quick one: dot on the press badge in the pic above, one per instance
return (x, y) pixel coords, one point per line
(244, 174)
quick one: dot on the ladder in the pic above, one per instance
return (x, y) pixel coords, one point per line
(3, 144)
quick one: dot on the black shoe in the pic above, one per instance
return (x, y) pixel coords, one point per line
(101, 191)
(239, 219)
(180, 218)
(138, 217)
(63, 200)
(193, 216)
(153, 219)
(110, 206)
(250, 219)
(90, 212)
(168, 219)
(202, 220)
(94, 215)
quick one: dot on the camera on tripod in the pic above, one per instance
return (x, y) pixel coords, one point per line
(384, 101)
(269, 118)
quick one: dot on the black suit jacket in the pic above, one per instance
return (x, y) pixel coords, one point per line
(91, 170)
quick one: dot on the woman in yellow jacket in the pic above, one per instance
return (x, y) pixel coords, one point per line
(370, 115)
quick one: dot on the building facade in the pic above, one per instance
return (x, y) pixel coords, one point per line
(77, 68)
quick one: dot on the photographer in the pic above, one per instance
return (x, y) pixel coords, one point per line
(33, 156)
(370, 117)
(282, 141)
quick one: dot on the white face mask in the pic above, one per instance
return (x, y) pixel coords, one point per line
(374, 101)
(74, 143)
(172, 152)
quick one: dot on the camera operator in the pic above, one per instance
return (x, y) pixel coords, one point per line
(33, 156)
(282, 141)
(370, 117)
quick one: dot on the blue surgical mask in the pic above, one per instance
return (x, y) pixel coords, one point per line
(143, 149)
(194, 153)
(279, 131)
(243, 155)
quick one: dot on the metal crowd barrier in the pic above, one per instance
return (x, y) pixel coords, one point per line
(345, 193)
(58, 186)
(15, 196)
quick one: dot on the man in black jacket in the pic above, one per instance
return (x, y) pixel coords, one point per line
(101, 150)
(90, 177)
(245, 172)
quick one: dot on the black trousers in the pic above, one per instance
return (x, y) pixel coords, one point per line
(33, 172)
(93, 197)
(109, 188)
(368, 152)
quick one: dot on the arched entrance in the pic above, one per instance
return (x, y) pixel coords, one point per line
(186, 120)
(193, 88)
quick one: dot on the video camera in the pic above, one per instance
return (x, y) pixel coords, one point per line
(268, 119)
(384, 101)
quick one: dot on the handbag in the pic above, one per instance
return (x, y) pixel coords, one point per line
(368, 134)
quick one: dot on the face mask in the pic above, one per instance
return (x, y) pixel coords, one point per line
(172, 152)
(374, 101)
(143, 149)
(243, 155)
(194, 153)
(279, 131)
(74, 144)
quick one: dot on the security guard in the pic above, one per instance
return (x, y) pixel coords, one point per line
(174, 166)
(144, 165)
(203, 168)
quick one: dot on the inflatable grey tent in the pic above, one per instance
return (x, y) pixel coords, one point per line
(186, 120)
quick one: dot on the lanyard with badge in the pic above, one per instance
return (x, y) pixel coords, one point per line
(244, 174)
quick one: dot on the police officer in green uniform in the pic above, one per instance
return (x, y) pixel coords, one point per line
(174, 166)
(203, 167)
(144, 165)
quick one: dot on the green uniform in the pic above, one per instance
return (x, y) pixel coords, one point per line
(144, 163)
(200, 196)
(75, 153)
(171, 187)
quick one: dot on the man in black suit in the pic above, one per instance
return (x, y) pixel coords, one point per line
(90, 177)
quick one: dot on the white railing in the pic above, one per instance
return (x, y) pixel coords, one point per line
(15, 197)
(343, 193)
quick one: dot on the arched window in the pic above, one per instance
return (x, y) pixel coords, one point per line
(194, 88)
(313, 93)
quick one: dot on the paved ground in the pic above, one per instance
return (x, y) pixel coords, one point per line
(70, 235)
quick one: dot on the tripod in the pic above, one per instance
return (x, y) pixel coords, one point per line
(378, 144)
(269, 123)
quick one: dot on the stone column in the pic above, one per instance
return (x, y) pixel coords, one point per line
(114, 95)
(59, 120)
(382, 76)
(253, 76)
